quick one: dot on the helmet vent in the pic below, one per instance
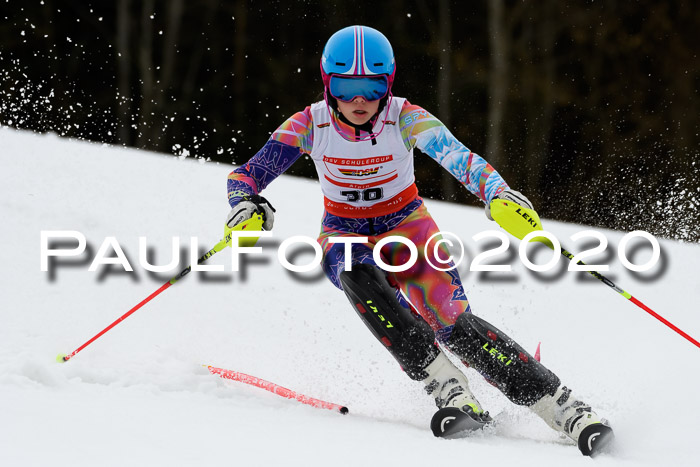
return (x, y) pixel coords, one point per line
(340, 64)
(379, 64)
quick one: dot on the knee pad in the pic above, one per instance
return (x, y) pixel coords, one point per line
(404, 333)
(501, 360)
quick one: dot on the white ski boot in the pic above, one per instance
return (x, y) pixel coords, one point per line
(567, 414)
(459, 411)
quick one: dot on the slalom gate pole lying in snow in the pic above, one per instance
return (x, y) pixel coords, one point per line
(253, 224)
(276, 389)
(521, 222)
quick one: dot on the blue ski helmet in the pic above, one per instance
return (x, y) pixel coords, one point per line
(359, 51)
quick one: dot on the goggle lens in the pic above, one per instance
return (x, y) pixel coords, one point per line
(346, 88)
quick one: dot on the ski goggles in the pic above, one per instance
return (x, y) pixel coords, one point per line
(346, 88)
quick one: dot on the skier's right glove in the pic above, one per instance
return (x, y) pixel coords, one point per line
(248, 206)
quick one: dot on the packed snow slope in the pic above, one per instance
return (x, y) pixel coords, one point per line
(140, 396)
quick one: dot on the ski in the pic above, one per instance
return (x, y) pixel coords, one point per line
(451, 423)
(595, 439)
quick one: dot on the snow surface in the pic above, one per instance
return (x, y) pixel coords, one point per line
(139, 395)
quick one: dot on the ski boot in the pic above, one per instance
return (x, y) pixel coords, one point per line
(525, 381)
(459, 412)
(568, 415)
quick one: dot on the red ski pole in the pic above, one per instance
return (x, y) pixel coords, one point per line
(254, 223)
(520, 221)
(276, 389)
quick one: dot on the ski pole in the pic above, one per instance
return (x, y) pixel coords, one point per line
(276, 389)
(520, 221)
(254, 223)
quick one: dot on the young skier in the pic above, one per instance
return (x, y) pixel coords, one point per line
(361, 139)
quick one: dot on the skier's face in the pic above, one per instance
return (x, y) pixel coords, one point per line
(359, 110)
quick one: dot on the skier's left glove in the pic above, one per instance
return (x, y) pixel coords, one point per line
(513, 196)
(248, 206)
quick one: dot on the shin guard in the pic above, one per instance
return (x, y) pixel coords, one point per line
(501, 360)
(405, 334)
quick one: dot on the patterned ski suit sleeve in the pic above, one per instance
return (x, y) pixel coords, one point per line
(292, 139)
(422, 130)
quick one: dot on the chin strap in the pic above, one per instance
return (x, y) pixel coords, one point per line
(366, 127)
(356, 137)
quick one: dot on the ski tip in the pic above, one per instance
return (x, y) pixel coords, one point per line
(596, 439)
(60, 358)
(451, 423)
(344, 410)
(537, 352)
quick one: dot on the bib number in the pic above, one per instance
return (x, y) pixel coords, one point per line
(370, 194)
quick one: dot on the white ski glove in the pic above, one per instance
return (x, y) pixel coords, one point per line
(513, 196)
(248, 206)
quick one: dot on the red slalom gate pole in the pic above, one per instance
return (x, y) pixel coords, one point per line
(254, 223)
(276, 389)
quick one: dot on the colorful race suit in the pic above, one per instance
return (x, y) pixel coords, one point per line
(369, 190)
